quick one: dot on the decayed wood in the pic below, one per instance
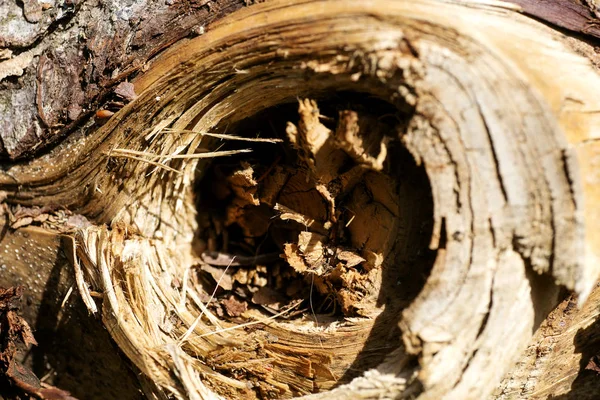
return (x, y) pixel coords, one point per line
(82, 358)
(505, 145)
(557, 363)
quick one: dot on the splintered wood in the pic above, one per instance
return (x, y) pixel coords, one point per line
(374, 268)
(300, 234)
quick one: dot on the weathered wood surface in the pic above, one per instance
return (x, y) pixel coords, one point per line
(509, 145)
(74, 352)
(559, 362)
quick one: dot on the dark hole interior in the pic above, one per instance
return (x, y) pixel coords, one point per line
(268, 283)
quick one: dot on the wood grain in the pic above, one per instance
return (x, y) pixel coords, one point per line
(507, 145)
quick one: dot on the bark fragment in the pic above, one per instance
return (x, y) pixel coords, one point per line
(16, 336)
(80, 66)
(577, 16)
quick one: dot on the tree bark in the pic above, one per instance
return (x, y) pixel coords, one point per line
(484, 205)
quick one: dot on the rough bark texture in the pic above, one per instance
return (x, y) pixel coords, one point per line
(67, 57)
(509, 149)
(578, 16)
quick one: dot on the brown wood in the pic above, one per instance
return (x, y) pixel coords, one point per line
(575, 15)
(559, 361)
(74, 350)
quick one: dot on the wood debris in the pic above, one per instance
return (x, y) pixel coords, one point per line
(48, 217)
(126, 90)
(350, 137)
(234, 307)
(15, 337)
(329, 215)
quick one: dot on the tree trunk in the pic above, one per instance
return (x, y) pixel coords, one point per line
(303, 198)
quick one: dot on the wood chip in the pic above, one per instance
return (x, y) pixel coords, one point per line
(294, 258)
(126, 90)
(365, 146)
(233, 307)
(266, 296)
(350, 258)
(21, 222)
(219, 275)
(311, 246)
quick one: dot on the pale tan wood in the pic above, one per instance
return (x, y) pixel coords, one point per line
(504, 122)
(554, 362)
